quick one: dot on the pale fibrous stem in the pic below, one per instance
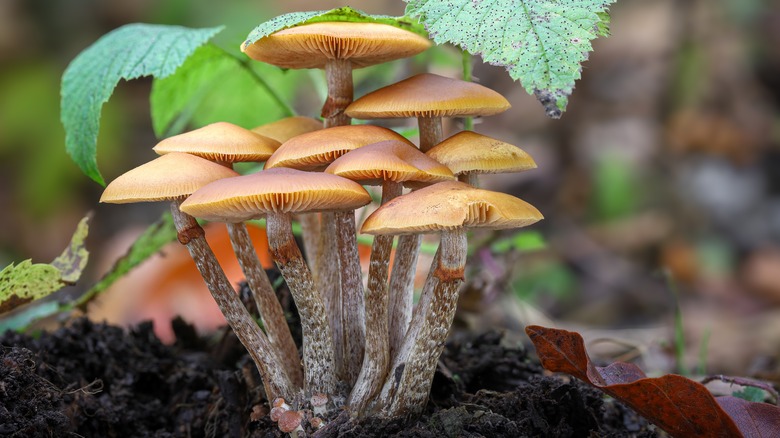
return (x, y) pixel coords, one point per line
(318, 361)
(268, 305)
(406, 391)
(376, 359)
(353, 304)
(275, 378)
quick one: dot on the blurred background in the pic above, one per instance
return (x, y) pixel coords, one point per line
(660, 185)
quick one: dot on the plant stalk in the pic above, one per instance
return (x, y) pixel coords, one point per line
(275, 378)
(318, 361)
(268, 305)
(352, 297)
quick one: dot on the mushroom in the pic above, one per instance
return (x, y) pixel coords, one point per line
(449, 208)
(338, 47)
(467, 154)
(288, 127)
(319, 402)
(290, 422)
(226, 143)
(389, 163)
(339, 278)
(173, 177)
(278, 193)
(428, 97)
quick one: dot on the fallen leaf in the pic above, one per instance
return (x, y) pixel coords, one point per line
(678, 405)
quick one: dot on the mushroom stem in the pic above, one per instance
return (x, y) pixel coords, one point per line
(275, 379)
(376, 359)
(405, 264)
(268, 305)
(352, 299)
(329, 282)
(469, 178)
(338, 73)
(310, 231)
(424, 343)
(318, 359)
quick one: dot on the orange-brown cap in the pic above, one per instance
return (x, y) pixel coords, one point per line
(450, 205)
(469, 152)
(428, 95)
(288, 127)
(172, 176)
(221, 141)
(317, 149)
(290, 421)
(311, 45)
(389, 160)
(274, 190)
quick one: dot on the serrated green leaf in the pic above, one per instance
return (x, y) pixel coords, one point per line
(147, 244)
(198, 93)
(129, 52)
(540, 42)
(340, 14)
(28, 281)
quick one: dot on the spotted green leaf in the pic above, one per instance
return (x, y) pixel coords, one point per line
(541, 43)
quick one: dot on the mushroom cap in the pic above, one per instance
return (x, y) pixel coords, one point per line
(288, 127)
(289, 421)
(447, 206)
(389, 160)
(317, 149)
(274, 190)
(428, 95)
(221, 141)
(311, 45)
(469, 152)
(171, 176)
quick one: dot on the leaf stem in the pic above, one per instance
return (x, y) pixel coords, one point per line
(288, 110)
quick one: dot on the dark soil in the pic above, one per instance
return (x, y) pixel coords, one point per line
(95, 380)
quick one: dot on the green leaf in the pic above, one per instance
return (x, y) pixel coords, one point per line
(340, 14)
(129, 52)
(149, 243)
(28, 281)
(199, 92)
(540, 42)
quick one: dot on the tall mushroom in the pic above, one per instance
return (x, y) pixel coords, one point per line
(388, 163)
(449, 208)
(339, 277)
(428, 97)
(338, 47)
(279, 193)
(173, 177)
(226, 143)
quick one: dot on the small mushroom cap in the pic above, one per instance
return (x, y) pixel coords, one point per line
(288, 127)
(318, 399)
(317, 149)
(428, 95)
(447, 206)
(389, 160)
(289, 421)
(221, 141)
(469, 152)
(311, 45)
(171, 176)
(274, 190)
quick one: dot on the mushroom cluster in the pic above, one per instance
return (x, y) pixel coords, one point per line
(366, 349)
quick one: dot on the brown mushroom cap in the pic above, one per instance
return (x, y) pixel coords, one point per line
(317, 149)
(278, 190)
(469, 152)
(447, 206)
(288, 127)
(221, 141)
(289, 421)
(311, 45)
(428, 95)
(171, 176)
(389, 160)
